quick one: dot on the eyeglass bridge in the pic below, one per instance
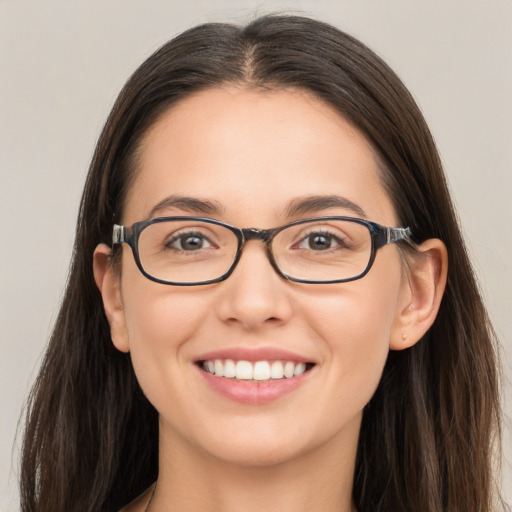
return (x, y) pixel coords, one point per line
(264, 235)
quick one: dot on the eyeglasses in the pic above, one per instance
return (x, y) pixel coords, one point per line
(189, 251)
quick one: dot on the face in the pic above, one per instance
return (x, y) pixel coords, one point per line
(247, 156)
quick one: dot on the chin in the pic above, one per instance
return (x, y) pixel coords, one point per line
(266, 445)
(261, 455)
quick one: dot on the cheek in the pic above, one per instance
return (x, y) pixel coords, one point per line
(357, 315)
(353, 326)
(156, 314)
(154, 321)
(356, 339)
(159, 322)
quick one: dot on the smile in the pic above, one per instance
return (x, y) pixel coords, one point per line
(258, 371)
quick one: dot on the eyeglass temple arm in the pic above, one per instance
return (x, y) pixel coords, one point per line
(398, 234)
(118, 234)
(391, 235)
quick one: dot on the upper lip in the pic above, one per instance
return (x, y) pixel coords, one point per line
(254, 354)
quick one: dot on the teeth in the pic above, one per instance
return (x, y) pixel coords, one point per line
(258, 371)
(299, 369)
(243, 370)
(288, 369)
(261, 371)
(218, 367)
(276, 370)
(229, 369)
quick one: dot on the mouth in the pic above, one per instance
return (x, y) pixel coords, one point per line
(254, 371)
(257, 375)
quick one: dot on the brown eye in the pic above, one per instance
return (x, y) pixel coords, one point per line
(320, 242)
(189, 242)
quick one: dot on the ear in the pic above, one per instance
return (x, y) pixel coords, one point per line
(109, 285)
(421, 294)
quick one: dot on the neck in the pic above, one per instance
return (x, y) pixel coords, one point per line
(319, 480)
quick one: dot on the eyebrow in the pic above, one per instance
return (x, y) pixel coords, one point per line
(296, 207)
(188, 204)
(312, 204)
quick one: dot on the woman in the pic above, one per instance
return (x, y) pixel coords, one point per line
(260, 313)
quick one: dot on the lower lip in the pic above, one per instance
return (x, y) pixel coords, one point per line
(254, 393)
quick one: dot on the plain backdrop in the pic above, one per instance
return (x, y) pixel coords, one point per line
(62, 64)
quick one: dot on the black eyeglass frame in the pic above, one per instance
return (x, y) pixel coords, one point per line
(380, 236)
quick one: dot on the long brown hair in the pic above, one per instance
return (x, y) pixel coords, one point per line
(426, 443)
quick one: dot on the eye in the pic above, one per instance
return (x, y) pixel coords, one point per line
(189, 242)
(320, 241)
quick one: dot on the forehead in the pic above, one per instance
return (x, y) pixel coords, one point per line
(252, 152)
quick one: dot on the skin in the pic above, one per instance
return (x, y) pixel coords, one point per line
(253, 152)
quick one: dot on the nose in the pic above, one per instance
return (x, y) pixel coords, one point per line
(255, 294)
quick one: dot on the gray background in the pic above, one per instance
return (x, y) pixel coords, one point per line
(62, 64)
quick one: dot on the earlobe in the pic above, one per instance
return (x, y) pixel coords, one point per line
(108, 283)
(422, 293)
